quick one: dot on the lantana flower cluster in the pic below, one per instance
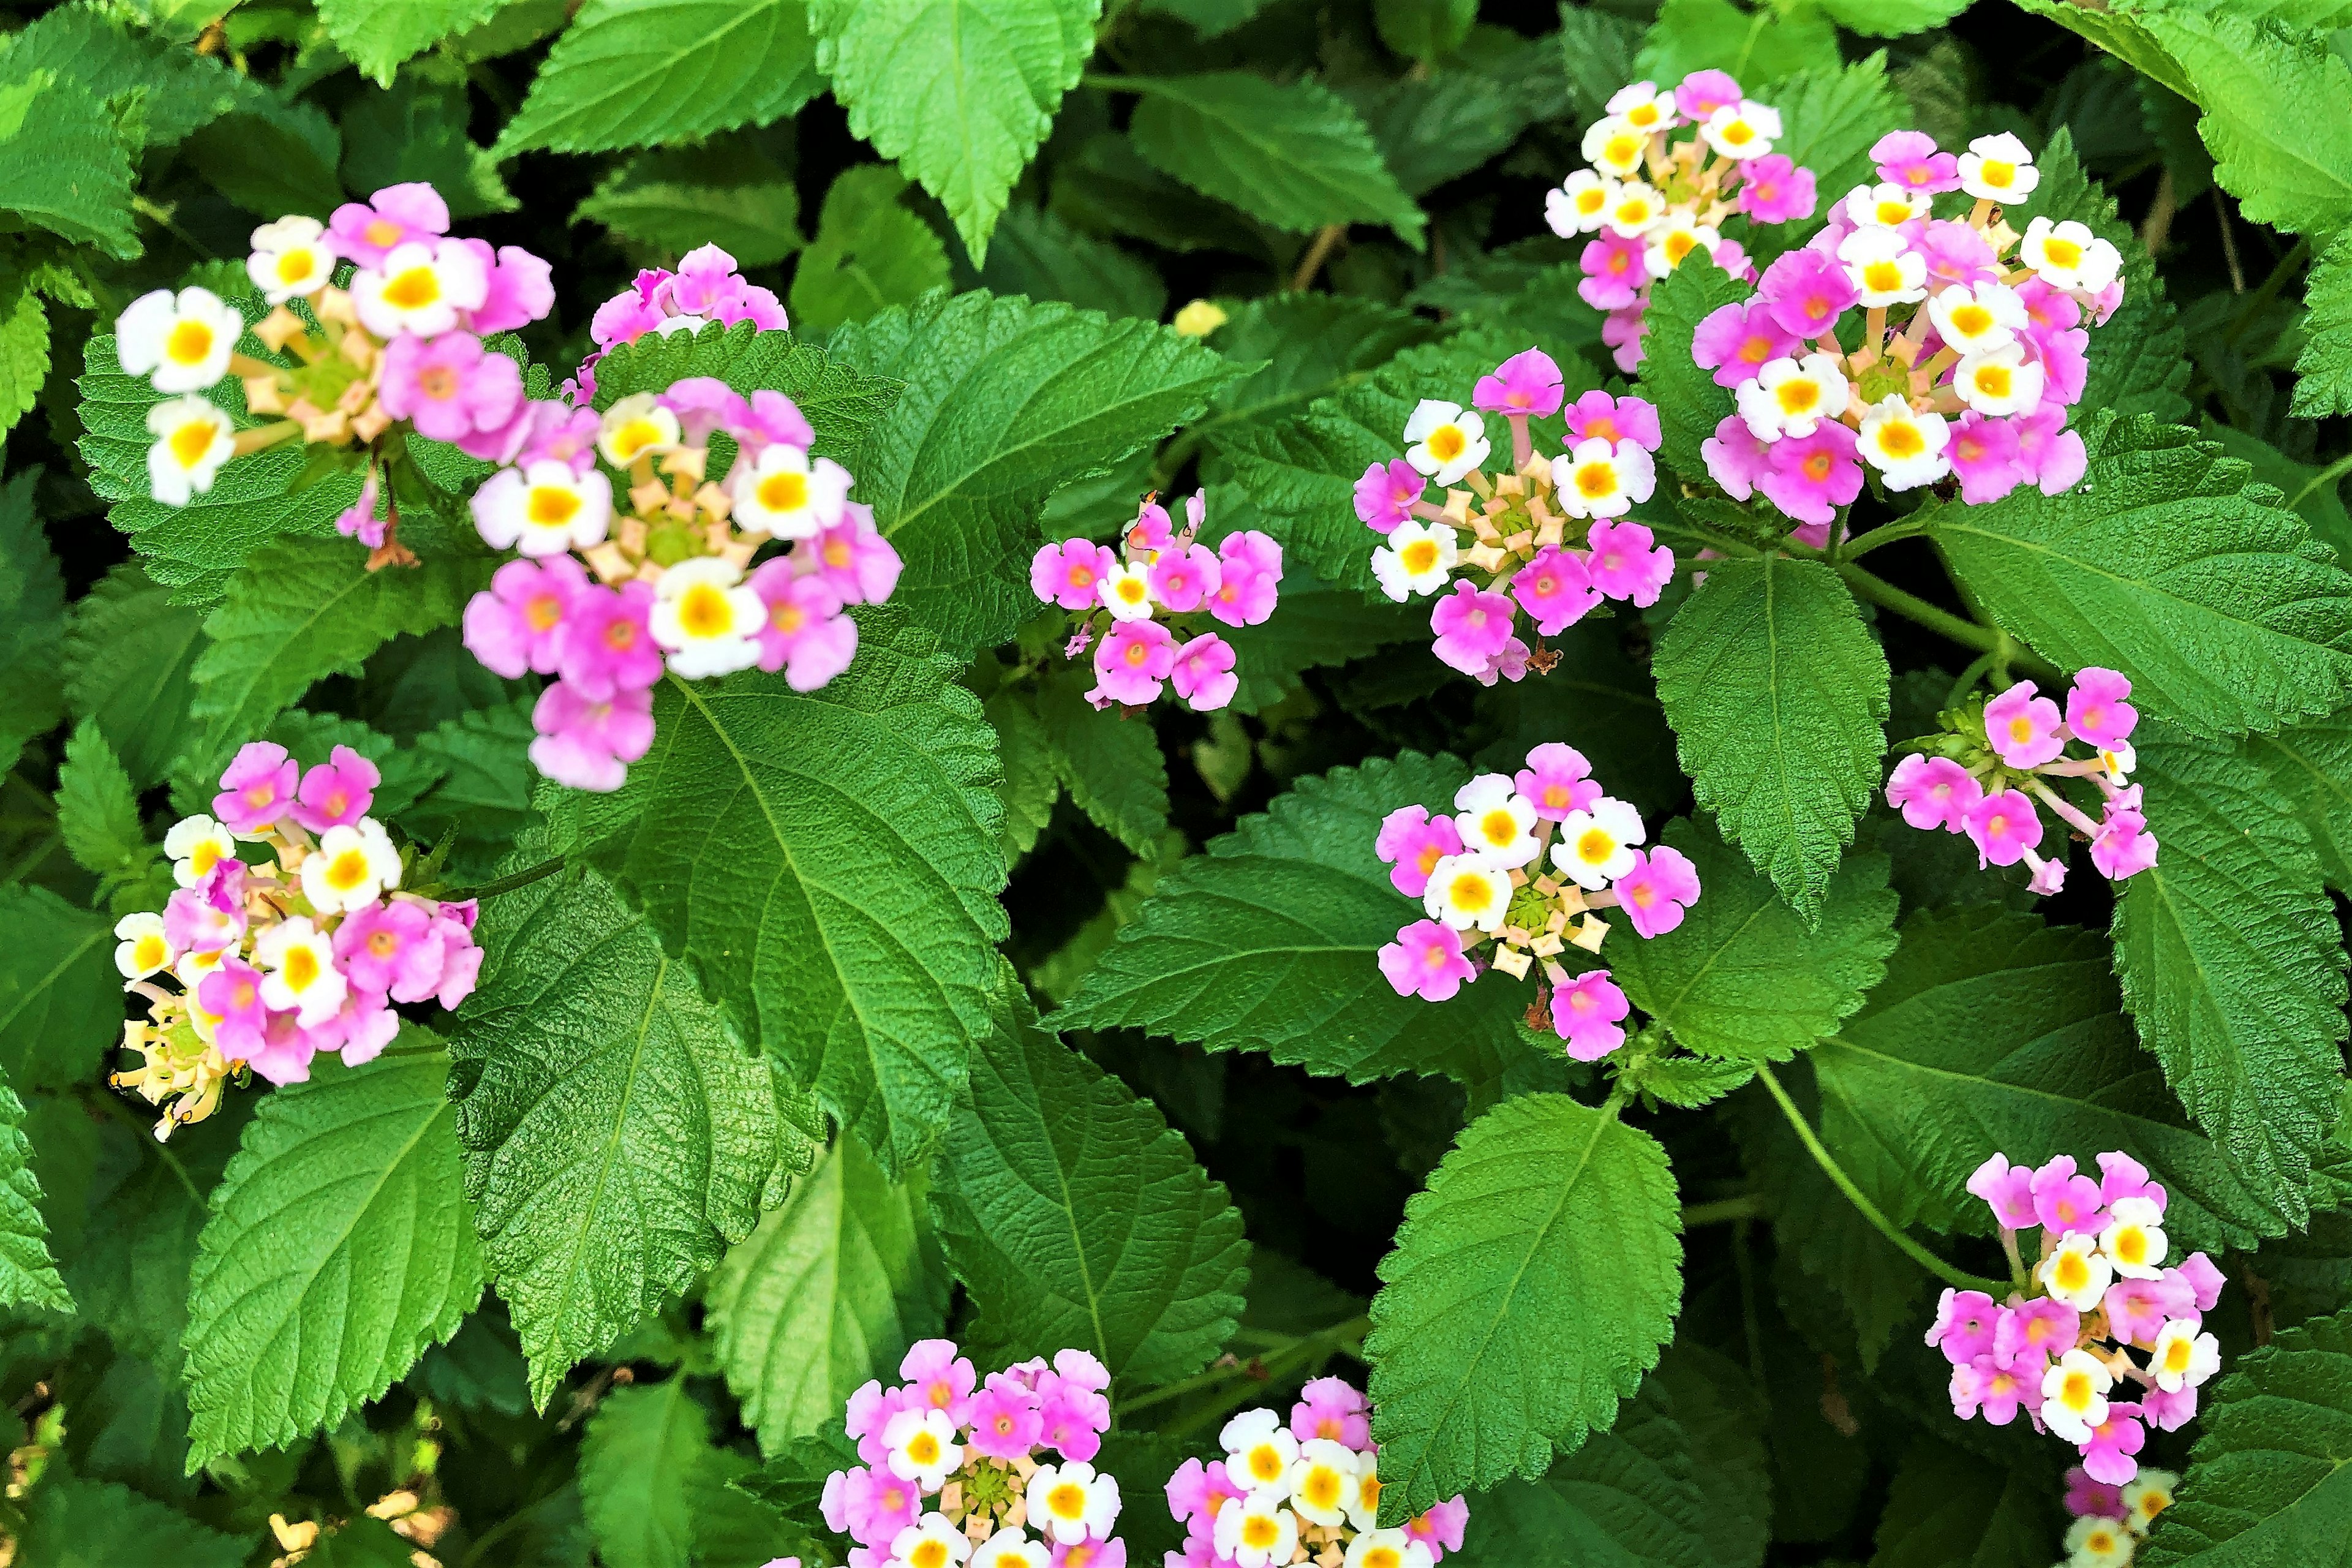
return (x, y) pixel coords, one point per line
(1549, 537)
(1969, 350)
(398, 349)
(1301, 1492)
(704, 288)
(262, 964)
(994, 1475)
(1157, 584)
(1481, 876)
(613, 587)
(2061, 1350)
(1993, 760)
(1651, 199)
(2110, 1521)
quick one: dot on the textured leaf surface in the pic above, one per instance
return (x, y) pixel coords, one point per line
(85, 45)
(1834, 116)
(843, 404)
(2233, 964)
(71, 1523)
(2140, 360)
(637, 1463)
(672, 201)
(340, 1246)
(2275, 103)
(2324, 368)
(2311, 767)
(1690, 406)
(24, 354)
(1005, 400)
(1110, 762)
(63, 165)
(378, 35)
(32, 622)
(1951, 1506)
(1268, 941)
(1742, 977)
(1075, 1216)
(643, 73)
(1035, 253)
(28, 1275)
(130, 656)
(1777, 693)
(871, 251)
(2164, 564)
(61, 999)
(98, 811)
(1310, 346)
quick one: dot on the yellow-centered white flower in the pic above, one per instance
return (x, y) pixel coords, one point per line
(1613, 146)
(1126, 591)
(1884, 205)
(1496, 821)
(2068, 254)
(1792, 396)
(1597, 846)
(2117, 760)
(1467, 893)
(1447, 440)
(921, 1447)
(1417, 558)
(350, 869)
(1742, 131)
(420, 288)
(302, 978)
(2075, 1273)
(140, 948)
(193, 439)
(2148, 1494)
(1257, 1531)
(1644, 106)
(182, 341)
(637, 427)
(1999, 169)
(1259, 1451)
(194, 966)
(1008, 1548)
(1598, 477)
(2074, 1394)
(1386, 1548)
(545, 509)
(197, 844)
(1673, 238)
(786, 496)
(2184, 1356)
(705, 619)
(2134, 1240)
(290, 259)
(1581, 203)
(1974, 321)
(1999, 381)
(1069, 1502)
(2093, 1540)
(1323, 1483)
(1908, 448)
(1883, 268)
(931, 1541)
(1635, 208)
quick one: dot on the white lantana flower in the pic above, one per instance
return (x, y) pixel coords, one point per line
(1999, 381)
(2068, 256)
(1792, 396)
(1257, 1531)
(1069, 1502)
(1387, 1549)
(1464, 892)
(1597, 846)
(1603, 478)
(1496, 821)
(1742, 131)
(2074, 1394)
(1644, 106)
(1008, 1548)
(302, 978)
(290, 259)
(1126, 591)
(931, 1541)
(1447, 441)
(2184, 1356)
(637, 427)
(545, 509)
(350, 869)
(1325, 1482)
(1999, 169)
(1885, 205)
(1580, 204)
(1978, 319)
(787, 497)
(1417, 558)
(1908, 448)
(1259, 1451)
(193, 438)
(421, 288)
(2075, 1273)
(196, 844)
(140, 948)
(1883, 268)
(1613, 146)
(705, 619)
(182, 341)
(921, 1447)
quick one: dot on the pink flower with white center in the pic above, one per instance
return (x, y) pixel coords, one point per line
(2003, 827)
(608, 641)
(1810, 477)
(337, 793)
(1181, 579)
(938, 1378)
(586, 741)
(853, 559)
(2023, 728)
(2007, 1189)
(1070, 574)
(1555, 589)
(1616, 268)
(1132, 661)
(1934, 792)
(2107, 1455)
(232, 995)
(1739, 340)
(1654, 894)
(804, 635)
(1472, 627)
(448, 387)
(1910, 159)
(1528, 382)
(1508, 663)
(2138, 1310)
(1965, 1325)
(257, 789)
(367, 232)
(1772, 189)
(1597, 416)
(390, 949)
(1587, 1011)
(1736, 460)
(1385, 495)
(1627, 562)
(2031, 1335)
(1701, 93)
(517, 624)
(1984, 1387)
(1621, 332)
(2123, 846)
(1204, 674)
(1806, 292)
(1005, 1421)
(1414, 842)
(1984, 456)
(1426, 961)
(2096, 711)
(1331, 1409)
(1440, 1529)
(1249, 576)
(1556, 781)
(2066, 1203)
(2047, 452)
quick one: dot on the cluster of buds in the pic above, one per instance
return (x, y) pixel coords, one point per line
(1480, 875)
(1549, 537)
(605, 597)
(1157, 571)
(398, 349)
(1306, 1492)
(706, 288)
(1651, 199)
(265, 963)
(1982, 773)
(1967, 356)
(994, 1476)
(2060, 1346)
(2110, 1521)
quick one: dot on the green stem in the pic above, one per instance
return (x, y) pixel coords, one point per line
(1749, 1205)
(507, 884)
(2325, 477)
(1943, 623)
(1957, 1278)
(1969, 678)
(1253, 1377)
(1893, 534)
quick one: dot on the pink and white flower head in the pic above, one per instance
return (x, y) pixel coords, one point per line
(2007, 1190)
(1526, 384)
(1426, 961)
(588, 742)
(449, 387)
(1589, 1013)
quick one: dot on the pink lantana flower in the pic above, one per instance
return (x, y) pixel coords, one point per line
(1735, 458)
(1473, 625)
(805, 634)
(1385, 495)
(1335, 1410)
(449, 387)
(1654, 894)
(1964, 1324)
(1596, 415)
(1933, 792)
(2003, 827)
(1810, 477)
(1701, 93)
(1528, 382)
(1426, 961)
(1412, 842)
(390, 949)
(366, 232)
(2006, 1189)
(1555, 589)
(1005, 1420)
(337, 793)
(1134, 658)
(2049, 454)
(1773, 189)
(2123, 846)
(1984, 455)
(1807, 292)
(1621, 333)
(608, 642)
(1249, 576)
(1614, 271)
(1910, 159)
(586, 741)
(1738, 340)
(1627, 562)
(1983, 1388)
(2023, 728)
(1441, 1528)
(1587, 1011)
(1070, 574)
(517, 624)
(257, 789)
(2032, 1334)
(1181, 579)
(1556, 781)
(2065, 1202)
(2096, 711)
(232, 993)
(2108, 1455)
(1204, 674)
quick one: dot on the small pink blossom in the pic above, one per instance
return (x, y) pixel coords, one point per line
(284, 1053)
(2032, 1334)
(585, 741)
(1736, 340)
(2094, 1500)
(1984, 456)
(232, 993)
(704, 404)
(1598, 415)
(2003, 827)
(1810, 477)
(2204, 1280)
(1621, 333)
(806, 634)
(1333, 1409)
(449, 387)
(1983, 1388)
(1909, 159)
(1181, 578)
(1203, 672)
(1249, 575)
(2006, 1189)
(1773, 189)
(2049, 454)
(361, 520)
(1412, 842)
(608, 641)
(853, 559)
(2065, 362)
(2168, 1412)
(1660, 884)
(2065, 1202)
(461, 959)
(1528, 383)
(367, 232)
(1955, 253)
(1556, 781)
(939, 1379)
(1508, 663)
(2096, 711)
(1426, 961)
(1088, 1553)
(2107, 1456)
(517, 624)
(1472, 625)
(521, 287)
(1701, 93)
(2138, 1310)
(1005, 1421)
(1555, 590)
(2048, 309)
(1627, 562)
(1070, 574)
(2106, 302)
(1735, 458)
(1134, 658)
(1614, 271)
(257, 789)
(1385, 495)
(1587, 1011)
(1441, 1528)
(1807, 291)
(2023, 728)
(871, 1506)
(2121, 1177)
(206, 917)
(337, 793)
(389, 948)
(1934, 792)
(1965, 1325)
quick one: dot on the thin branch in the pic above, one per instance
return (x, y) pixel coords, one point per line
(1327, 239)
(507, 884)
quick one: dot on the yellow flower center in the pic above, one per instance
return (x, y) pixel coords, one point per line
(1901, 438)
(1892, 213)
(923, 1449)
(189, 342)
(2061, 252)
(929, 1552)
(1383, 1557)
(1972, 320)
(552, 506)
(203, 857)
(1595, 845)
(1997, 173)
(2072, 1273)
(294, 265)
(150, 951)
(1068, 1500)
(382, 231)
(784, 490)
(1993, 380)
(383, 941)
(704, 612)
(1131, 589)
(347, 870)
(2131, 1246)
(543, 610)
(1471, 893)
(1260, 1531)
(1448, 443)
(2075, 1390)
(1498, 828)
(786, 617)
(1266, 1463)
(1739, 133)
(1622, 150)
(1798, 395)
(412, 290)
(1592, 200)
(1419, 556)
(302, 968)
(191, 440)
(2021, 730)
(634, 437)
(1882, 276)
(2177, 1355)
(1594, 480)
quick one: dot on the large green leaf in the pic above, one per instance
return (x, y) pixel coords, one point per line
(24, 353)
(1269, 942)
(871, 251)
(60, 1000)
(2139, 359)
(1005, 400)
(1110, 762)
(1742, 977)
(2166, 564)
(64, 166)
(97, 812)
(2324, 367)
(32, 623)
(1038, 254)
(1701, 34)
(94, 48)
(28, 1275)
(1532, 1285)
(959, 92)
(339, 1247)
(737, 198)
(829, 861)
(1075, 1216)
(1834, 115)
(2278, 112)
(377, 35)
(2311, 766)
(1950, 1508)
(828, 1292)
(617, 1134)
(132, 1279)
(130, 659)
(1778, 694)
(842, 404)
(76, 1523)
(2233, 964)
(654, 1488)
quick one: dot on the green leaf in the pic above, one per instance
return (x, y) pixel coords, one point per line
(1778, 696)
(1690, 404)
(1742, 977)
(1269, 942)
(1317, 625)
(24, 354)
(272, 157)
(1532, 1285)
(2233, 964)
(1030, 786)
(1038, 254)
(486, 776)
(1722, 1412)
(132, 1279)
(1834, 116)
(1074, 1215)
(1950, 1508)
(1892, 18)
(2270, 1482)
(842, 403)
(418, 133)
(1596, 50)
(648, 73)
(637, 1465)
(1765, 45)
(2311, 767)
(617, 1135)
(32, 622)
(828, 1292)
(1311, 346)
(959, 93)
(2323, 369)
(2278, 112)
(1425, 30)
(98, 811)
(27, 1273)
(2140, 360)
(737, 198)
(63, 165)
(1431, 130)
(130, 656)
(1995, 1034)
(1110, 762)
(1294, 155)
(378, 35)
(1105, 187)
(1005, 400)
(871, 252)
(75, 1523)
(2166, 564)
(180, 89)
(340, 1246)
(60, 1000)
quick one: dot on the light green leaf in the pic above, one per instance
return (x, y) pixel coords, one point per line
(129, 658)
(648, 73)
(1742, 977)
(1778, 695)
(1950, 1508)
(272, 157)
(1109, 762)
(340, 1246)
(1532, 1285)
(2166, 565)
(2233, 964)
(1834, 116)
(1292, 154)
(1038, 254)
(1269, 942)
(1759, 46)
(2311, 767)
(2278, 112)
(828, 1292)
(617, 1134)
(637, 1465)
(378, 35)
(735, 198)
(871, 251)
(1075, 1216)
(842, 403)
(64, 166)
(1310, 346)
(415, 132)
(76, 1523)
(87, 45)
(1425, 29)
(60, 1000)
(24, 354)
(959, 93)
(32, 623)
(829, 862)
(1690, 404)
(2323, 369)
(98, 811)
(1030, 786)
(1005, 400)
(1892, 18)
(483, 792)
(28, 1275)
